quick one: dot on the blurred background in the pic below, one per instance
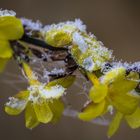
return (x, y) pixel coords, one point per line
(115, 22)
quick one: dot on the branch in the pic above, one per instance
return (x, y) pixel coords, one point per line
(40, 43)
(73, 114)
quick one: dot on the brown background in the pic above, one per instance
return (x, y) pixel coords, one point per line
(115, 22)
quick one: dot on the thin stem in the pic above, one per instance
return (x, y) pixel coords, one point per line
(73, 114)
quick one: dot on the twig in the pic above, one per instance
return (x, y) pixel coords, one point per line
(40, 43)
(73, 114)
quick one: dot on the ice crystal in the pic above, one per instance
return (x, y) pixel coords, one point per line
(135, 67)
(57, 71)
(80, 42)
(110, 109)
(38, 91)
(7, 13)
(15, 103)
(77, 24)
(89, 64)
(29, 24)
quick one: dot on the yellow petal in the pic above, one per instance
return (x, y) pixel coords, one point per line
(3, 63)
(58, 38)
(124, 103)
(11, 28)
(5, 49)
(64, 82)
(17, 103)
(115, 74)
(92, 111)
(57, 108)
(114, 125)
(31, 120)
(134, 119)
(30, 74)
(119, 94)
(43, 112)
(98, 93)
(23, 95)
(123, 86)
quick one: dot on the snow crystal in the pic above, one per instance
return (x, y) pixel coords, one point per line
(34, 76)
(53, 92)
(89, 64)
(7, 13)
(135, 67)
(46, 74)
(79, 40)
(16, 103)
(134, 93)
(77, 24)
(42, 91)
(57, 71)
(110, 109)
(31, 25)
(92, 35)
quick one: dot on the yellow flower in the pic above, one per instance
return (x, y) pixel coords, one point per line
(58, 38)
(41, 102)
(60, 35)
(85, 49)
(88, 52)
(10, 29)
(114, 89)
(98, 105)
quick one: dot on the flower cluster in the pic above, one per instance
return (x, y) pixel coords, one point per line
(41, 101)
(115, 85)
(114, 90)
(89, 53)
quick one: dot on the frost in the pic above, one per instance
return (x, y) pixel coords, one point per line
(80, 42)
(7, 13)
(135, 67)
(110, 109)
(16, 103)
(46, 75)
(57, 71)
(42, 91)
(92, 35)
(89, 64)
(31, 25)
(78, 24)
(53, 92)
(134, 93)
(34, 76)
